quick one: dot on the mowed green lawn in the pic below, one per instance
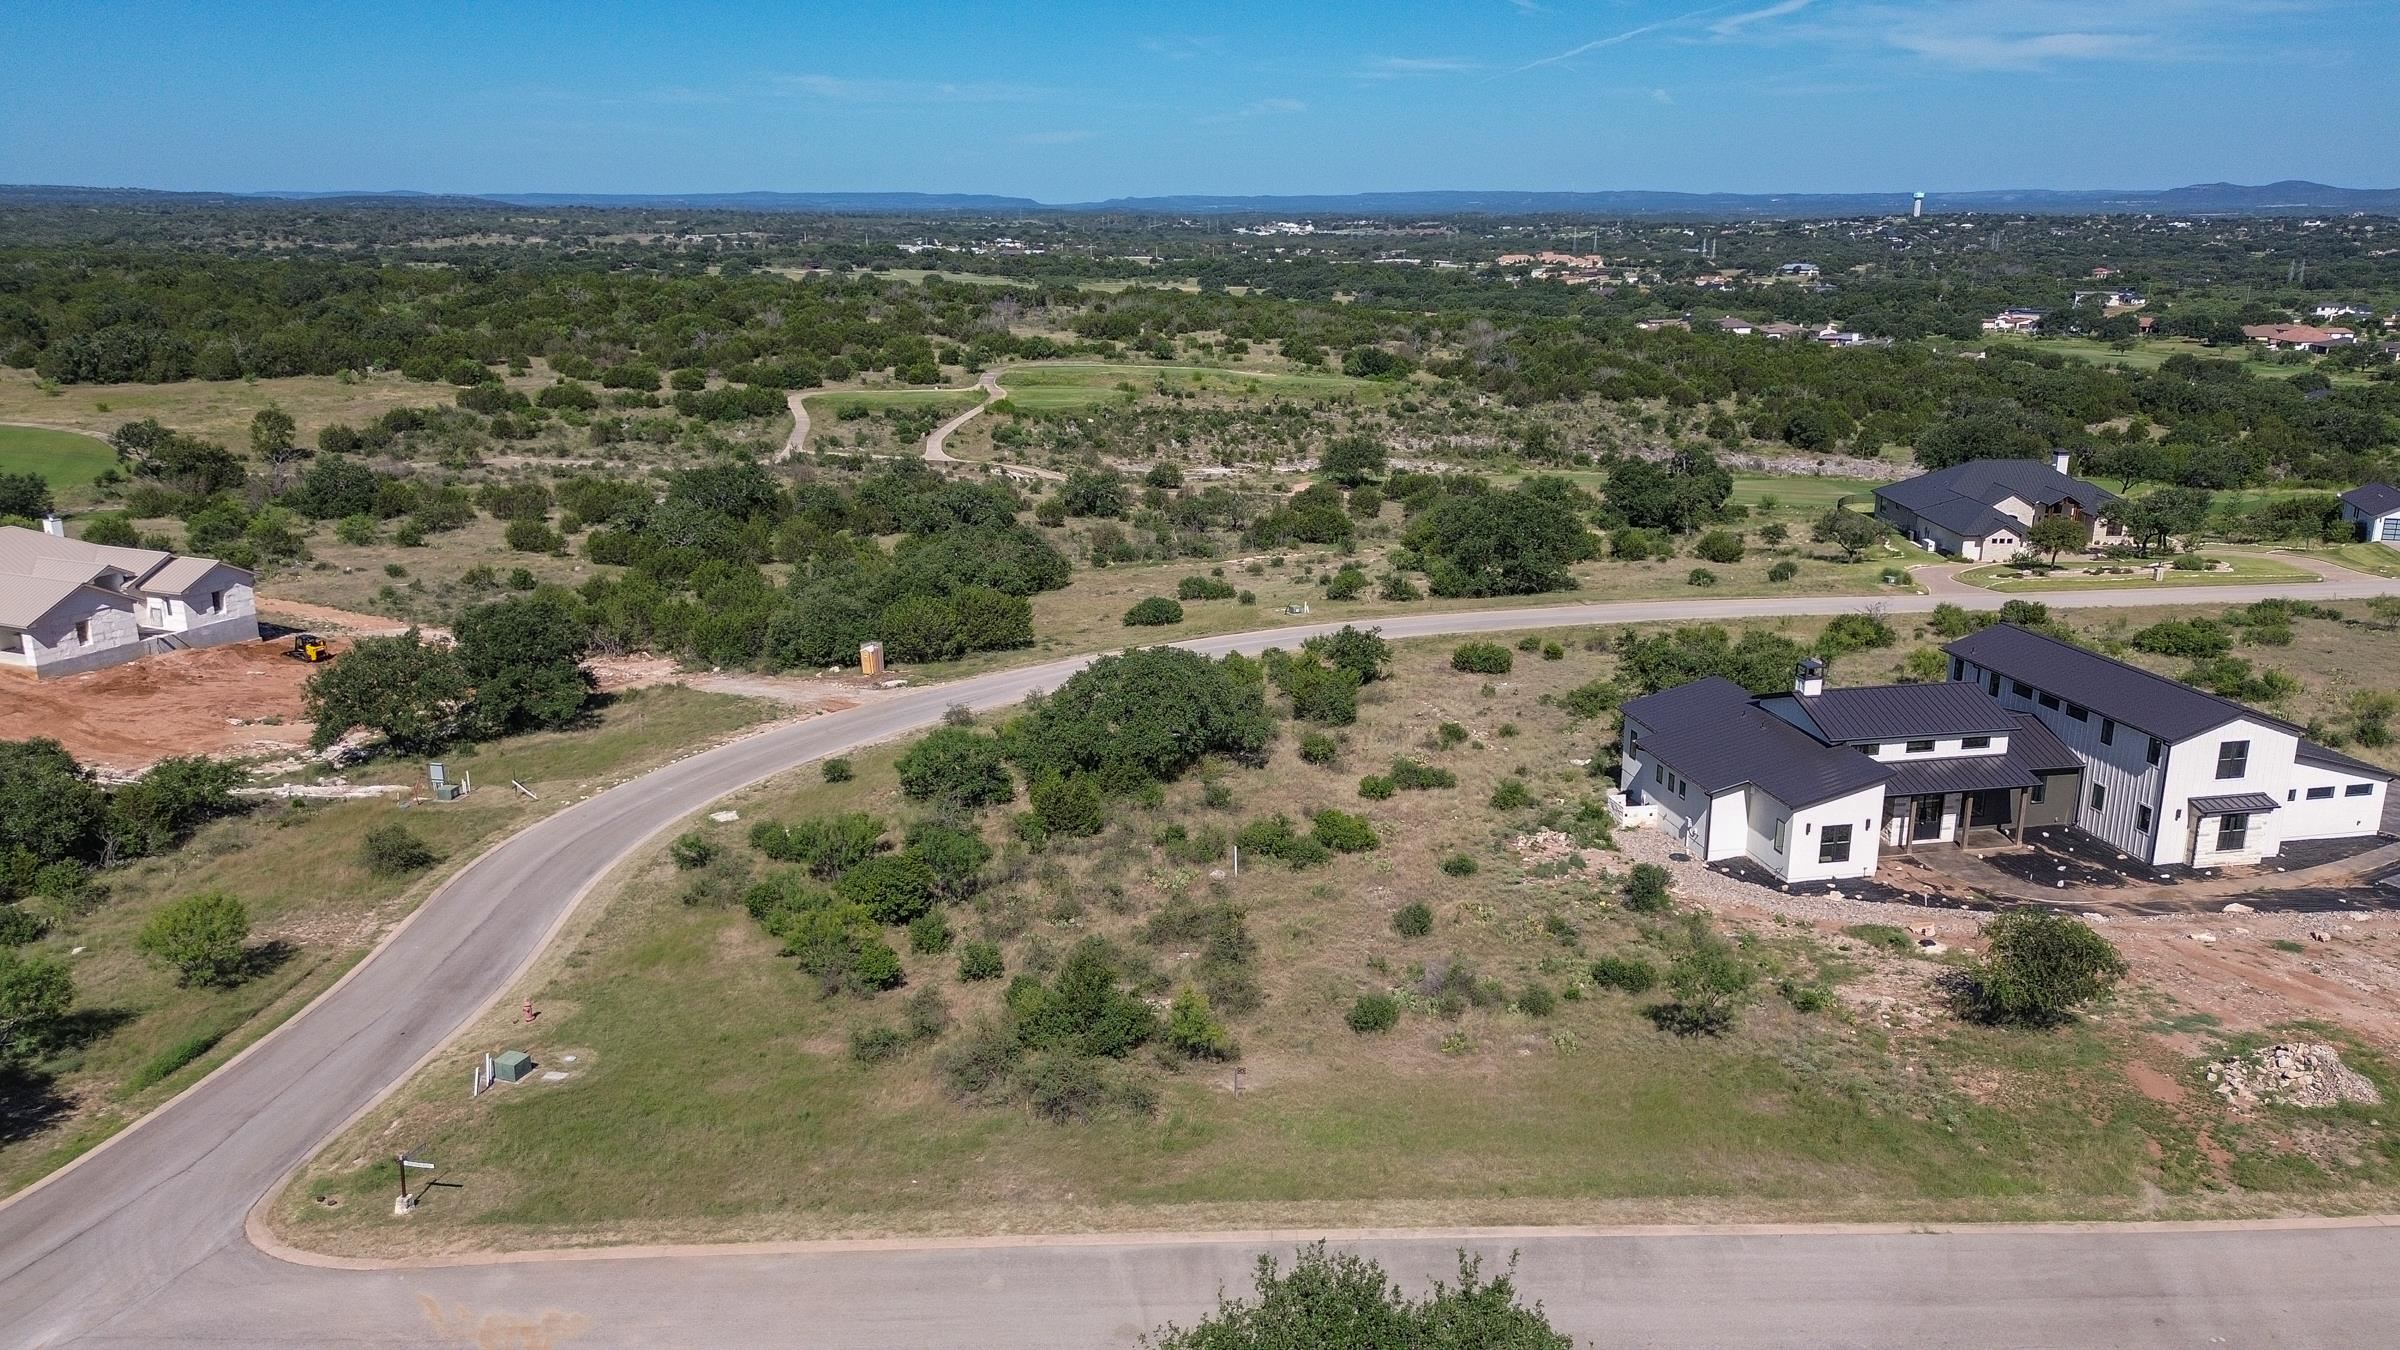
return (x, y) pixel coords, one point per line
(2247, 569)
(66, 459)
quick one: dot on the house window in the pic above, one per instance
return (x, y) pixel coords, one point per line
(2359, 790)
(1958, 669)
(1870, 749)
(2141, 820)
(216, 602)
(1919, 747)
(2233, 759)
(2080, 714)
(1991, 685)
(1976, 743)
(1783, 829)
(2156, 750)
(1833, 845)
(2040, 790)
(2099, 796)
(2049, 701)
(83, 631)
(2320, 794)
(2108, 731)
(2020, 689)
(2390, 530)
(2233, 832)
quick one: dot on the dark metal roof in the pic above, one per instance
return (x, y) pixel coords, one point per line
(2312, 753)
(2038, 748)
(1960, 497)
(1888, 712)
(2242, 803)
(1958, 773)
(2167, 709)
(1713, 734)
(2374, 499)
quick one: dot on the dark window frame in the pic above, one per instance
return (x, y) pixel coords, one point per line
(2321, 794)
(2141, 820)
(1827, 840)
(2050, 701)
(2099, 797)
(2359, 790)
(1917, 748)
(2108, 731)
(2233, 831)
(1975, 743)
(2235, 754)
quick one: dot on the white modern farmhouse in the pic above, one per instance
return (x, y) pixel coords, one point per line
(2373, 510)
(2029, 731)
(68, 606)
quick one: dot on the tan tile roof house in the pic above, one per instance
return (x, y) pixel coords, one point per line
(67, 606)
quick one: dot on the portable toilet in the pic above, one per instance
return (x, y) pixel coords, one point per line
(870, 658)
(511, 1066)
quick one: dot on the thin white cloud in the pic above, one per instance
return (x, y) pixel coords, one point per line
(1661, 96)
(1734, 23)
(1393, 67)
(1265, 107)
(1992, 51)
(1617, 39)
(845, 89)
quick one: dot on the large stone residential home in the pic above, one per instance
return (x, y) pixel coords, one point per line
(2029, 731)
(67, 606)
(1979, 511)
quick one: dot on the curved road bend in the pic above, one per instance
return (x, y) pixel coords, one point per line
(142, 1243)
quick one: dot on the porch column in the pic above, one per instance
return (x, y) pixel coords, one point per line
(2016, 814)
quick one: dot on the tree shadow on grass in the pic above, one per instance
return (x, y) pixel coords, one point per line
(266, 958)
(30, 1103)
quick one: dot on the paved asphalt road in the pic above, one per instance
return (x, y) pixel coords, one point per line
(142, 1243)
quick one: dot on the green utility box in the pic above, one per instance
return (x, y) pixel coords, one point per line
(511, 1066)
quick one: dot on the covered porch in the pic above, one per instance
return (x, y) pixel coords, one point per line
(1982, 818)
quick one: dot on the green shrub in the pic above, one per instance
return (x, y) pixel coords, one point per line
(1275, 838)
(19, 926)
(1783, 571)
(1410, 775)
(1068, 804)
(1537, 1001)
(1193, 1031)
(1890, 937)
(1345, 833)
(837, 769)
(1511, 795)
(894, 887)
(875, 1045)
(1373, 1013)
(1554, 651)
(874, 965)
(392, 849)
(1414, 919)
(929, 933)
(827, 845)
(1203, 588)
(1483, 658)
(1807, 998)
(1719, 546)
(158, 1066)
(1155, 612)
(1375, 787)
(1347, 584)
(980, 960)
(1707, 986)
(692, 850)
(1451, 735)
(1646, 889)
(1593, 699)
(1460, 865)
(956, 766)
(201, 938)
(1700, 576)
(1629, 973)
(1318, 748)
(2038, 968)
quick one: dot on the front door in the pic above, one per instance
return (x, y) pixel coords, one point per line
(1928, 821)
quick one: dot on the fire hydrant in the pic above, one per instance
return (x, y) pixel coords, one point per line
(530, 1014)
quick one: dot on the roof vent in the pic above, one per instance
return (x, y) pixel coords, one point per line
(2060, 459)
(1810, 680)
(53, 526)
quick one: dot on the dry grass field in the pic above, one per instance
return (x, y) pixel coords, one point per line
(711, 1094)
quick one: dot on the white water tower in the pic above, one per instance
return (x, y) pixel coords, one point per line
(1916, 208)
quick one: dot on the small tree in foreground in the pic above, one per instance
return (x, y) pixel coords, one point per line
(1340, 1301)
(2040, 967)
(200, 937)
(392, 849)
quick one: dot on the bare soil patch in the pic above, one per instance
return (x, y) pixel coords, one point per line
(233, 701)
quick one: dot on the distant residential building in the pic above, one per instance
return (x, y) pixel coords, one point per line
(1740, 327)
(2298, 336)
(1798, 269)
(1781, 331)
(2341, 312)
(1981, 510)
(1654, 325)
(2118, 299)
(2103, 272)
(2013, 321)
(2373, 509)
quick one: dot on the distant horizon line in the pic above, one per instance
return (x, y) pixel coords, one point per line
(2284, 195)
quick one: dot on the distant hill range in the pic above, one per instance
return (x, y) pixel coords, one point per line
(2284, 198)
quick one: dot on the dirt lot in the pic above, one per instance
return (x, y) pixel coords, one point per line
(182, 703)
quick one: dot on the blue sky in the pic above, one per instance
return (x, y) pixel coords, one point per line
(1080, 101)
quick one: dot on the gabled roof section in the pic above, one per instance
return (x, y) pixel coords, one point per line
(2167, 709)
(1946, 495)
(20, 548)
(25, 601)
(182, 575)
(1893, 712)
(2038, 748)
(2373, 499)
(1713, 734)
(2312, 753)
